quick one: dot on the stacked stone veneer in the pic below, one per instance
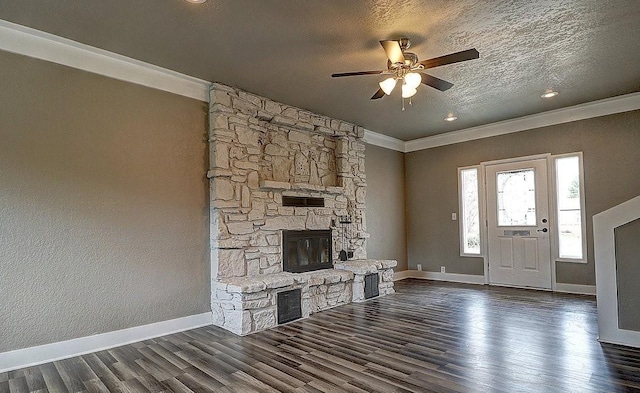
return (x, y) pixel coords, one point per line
(261, 150)
(361, 268)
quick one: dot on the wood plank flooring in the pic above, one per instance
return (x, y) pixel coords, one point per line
(428, 337)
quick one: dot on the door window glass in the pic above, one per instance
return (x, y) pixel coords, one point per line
(516, 198)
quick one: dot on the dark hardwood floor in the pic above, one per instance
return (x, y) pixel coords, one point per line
(428, 337)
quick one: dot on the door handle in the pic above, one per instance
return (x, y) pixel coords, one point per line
(545, 230)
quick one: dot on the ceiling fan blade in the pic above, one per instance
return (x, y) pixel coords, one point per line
(356, 73)
(436, 83)
(394, 53)
(464, 55)
(379, 94)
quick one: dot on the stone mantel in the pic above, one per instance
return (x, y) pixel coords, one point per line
(275, 185)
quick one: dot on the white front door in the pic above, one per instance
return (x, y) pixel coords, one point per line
(519, 252)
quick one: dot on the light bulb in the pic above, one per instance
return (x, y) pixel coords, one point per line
(387, 85)
(407, 91)
(413, 80)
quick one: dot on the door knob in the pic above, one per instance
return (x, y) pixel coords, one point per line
(543, 230)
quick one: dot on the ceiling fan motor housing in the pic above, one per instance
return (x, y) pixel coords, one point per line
(404, 43)
(401, 69)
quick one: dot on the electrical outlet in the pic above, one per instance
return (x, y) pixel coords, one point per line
(443, 269)
(419, 267)
(454, 216)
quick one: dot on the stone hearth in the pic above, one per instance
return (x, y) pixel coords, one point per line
(260, 151)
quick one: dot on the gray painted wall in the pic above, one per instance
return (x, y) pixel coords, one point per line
(103, 200)
(611, 146)
(103, 204)
(627, 273)
(386, 205)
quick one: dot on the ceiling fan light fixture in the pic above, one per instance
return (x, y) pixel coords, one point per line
(412, 80)
(549, 93)
(451, 117)
(388, 85)
(407, 91)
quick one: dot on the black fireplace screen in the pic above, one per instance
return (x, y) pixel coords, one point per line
(304, 251)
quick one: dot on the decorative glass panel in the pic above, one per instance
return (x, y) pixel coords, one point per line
(324, 251)
(516, 198)
(292, 250)
(470, 211)
(303, 252)
(569, 208)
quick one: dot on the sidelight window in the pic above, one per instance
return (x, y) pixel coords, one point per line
(469, 194)
(569, 195)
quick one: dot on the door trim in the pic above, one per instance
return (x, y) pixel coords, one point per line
(513, 160)
(550, 188)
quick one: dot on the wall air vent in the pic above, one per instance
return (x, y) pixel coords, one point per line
(302, 201)
(289, 306)
(371, 285)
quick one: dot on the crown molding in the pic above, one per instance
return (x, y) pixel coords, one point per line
(373, 138)
(608, 106)
(40, 45)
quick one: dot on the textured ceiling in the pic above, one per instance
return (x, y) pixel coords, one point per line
(287, 49)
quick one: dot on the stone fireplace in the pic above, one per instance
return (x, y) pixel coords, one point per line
(277, 173)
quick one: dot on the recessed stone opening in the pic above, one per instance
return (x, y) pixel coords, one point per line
(302, 201)
(289, 306)
(305, 251)
(371, 286)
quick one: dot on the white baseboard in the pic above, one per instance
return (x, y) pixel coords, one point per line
(474, 279)
(453, 277)
(576, 288)
(397, 276)
(32, 356)
(628, 338)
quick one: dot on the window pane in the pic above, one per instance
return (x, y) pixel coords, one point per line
(470, 212)
(516, 198)
(569, 209)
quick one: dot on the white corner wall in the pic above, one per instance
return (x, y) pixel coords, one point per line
(604, 225)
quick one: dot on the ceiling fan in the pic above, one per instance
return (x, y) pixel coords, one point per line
(404, 66)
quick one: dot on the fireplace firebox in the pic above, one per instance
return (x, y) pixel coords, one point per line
(304, 251)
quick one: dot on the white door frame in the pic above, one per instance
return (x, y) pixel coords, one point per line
(552, 218)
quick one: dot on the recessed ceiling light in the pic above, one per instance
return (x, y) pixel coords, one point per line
(451, 117)
(195, 1)
(549, 93)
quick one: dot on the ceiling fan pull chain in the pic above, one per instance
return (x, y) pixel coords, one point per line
(402, 103)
